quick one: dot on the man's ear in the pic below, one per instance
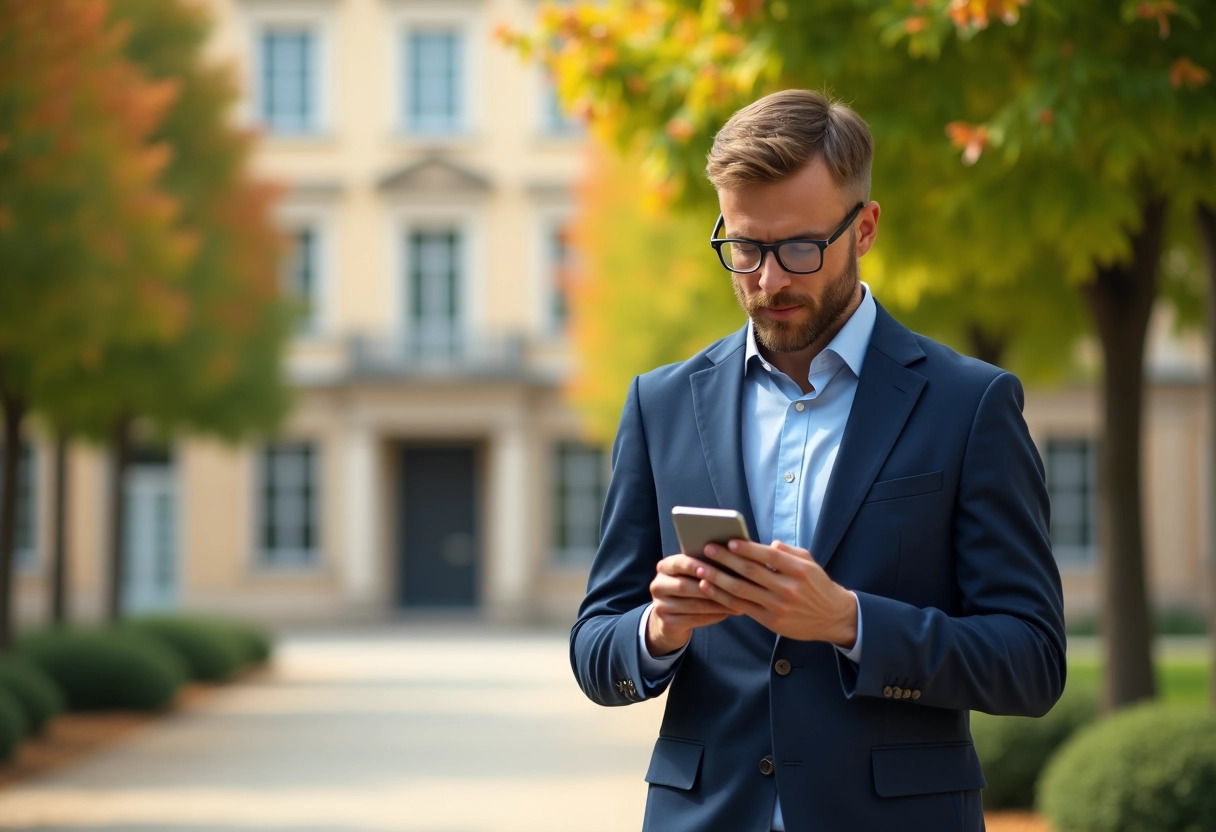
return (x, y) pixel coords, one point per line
(867, 226)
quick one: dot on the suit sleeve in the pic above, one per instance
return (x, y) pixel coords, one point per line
(1004, 652)
(604, 651)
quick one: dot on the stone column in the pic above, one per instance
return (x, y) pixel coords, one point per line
(509, 570)
(359, 503)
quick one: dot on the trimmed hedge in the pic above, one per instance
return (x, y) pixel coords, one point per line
(1014, 749)
(100, 669)
(1148, 768)
(253, 643)
(211, 652)
(13, 725)
(37, 694)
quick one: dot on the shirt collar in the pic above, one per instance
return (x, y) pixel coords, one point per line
(850, 343)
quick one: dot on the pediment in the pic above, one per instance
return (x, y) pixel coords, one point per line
(434, 174)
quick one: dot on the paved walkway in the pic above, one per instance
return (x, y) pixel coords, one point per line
(435, 728)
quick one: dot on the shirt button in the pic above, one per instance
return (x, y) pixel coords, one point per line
(789, 476)
(799, 406)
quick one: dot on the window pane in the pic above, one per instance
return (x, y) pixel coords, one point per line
(562, 272)
(580, 479)
(27, 505)
(434, 290)
(1071, 482)
(289, 79)
(288, 505)
(300, 275)
(434, 97)
(556, 121)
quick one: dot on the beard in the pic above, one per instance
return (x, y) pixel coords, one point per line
(825, 314)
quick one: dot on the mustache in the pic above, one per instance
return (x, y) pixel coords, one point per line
(778, 301)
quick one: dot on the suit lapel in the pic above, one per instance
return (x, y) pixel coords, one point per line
(717, 401)
(886, 393)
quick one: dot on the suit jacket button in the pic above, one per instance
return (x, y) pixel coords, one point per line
(766, 765)
(916, 694)
(907, 694)
(887, 692)
(782, 667)
(897, 692)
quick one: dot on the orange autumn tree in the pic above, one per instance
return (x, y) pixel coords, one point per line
(1032, 157)
(90, 256)
(223, 375)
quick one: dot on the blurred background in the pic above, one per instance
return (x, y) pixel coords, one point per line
(317, 315)
(319, 312)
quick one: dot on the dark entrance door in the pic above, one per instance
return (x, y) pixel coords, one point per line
(439, 546)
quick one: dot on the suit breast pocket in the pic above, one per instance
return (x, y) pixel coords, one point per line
(905, 487)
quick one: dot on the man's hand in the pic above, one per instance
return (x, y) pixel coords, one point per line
(785, 591)
(679, 605)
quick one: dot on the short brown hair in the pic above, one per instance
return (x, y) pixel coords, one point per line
(775, 137)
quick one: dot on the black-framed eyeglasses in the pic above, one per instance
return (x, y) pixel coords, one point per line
(796, 256)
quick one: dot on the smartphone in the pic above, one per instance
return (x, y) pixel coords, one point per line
(698, 527)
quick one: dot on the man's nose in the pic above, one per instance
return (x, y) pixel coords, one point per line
(772, 277)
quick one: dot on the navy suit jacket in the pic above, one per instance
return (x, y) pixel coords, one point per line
(936, 516)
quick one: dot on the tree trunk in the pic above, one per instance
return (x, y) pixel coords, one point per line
(1121, 299)
(986, 345)
(1205, 216)
(14, 414)
(120, 455)
(59, 558)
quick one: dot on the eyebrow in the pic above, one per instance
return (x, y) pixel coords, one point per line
(806, 235)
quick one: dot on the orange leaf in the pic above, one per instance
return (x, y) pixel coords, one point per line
(1183, 72)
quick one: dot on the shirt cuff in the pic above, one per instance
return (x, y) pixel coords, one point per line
(654, 669)
(854, 654)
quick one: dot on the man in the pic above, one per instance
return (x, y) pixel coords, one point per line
(909, 578)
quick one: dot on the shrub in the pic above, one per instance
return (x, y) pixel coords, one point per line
(100, 669)
(1014, 749)
(255, 642)
(36, 693)
(13, 725)
(210, 651)
(1148, 768)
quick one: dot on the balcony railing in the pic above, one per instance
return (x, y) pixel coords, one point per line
(438, 354)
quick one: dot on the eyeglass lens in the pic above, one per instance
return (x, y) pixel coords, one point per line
(793, 256)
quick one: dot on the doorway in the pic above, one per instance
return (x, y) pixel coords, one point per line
(439, 548)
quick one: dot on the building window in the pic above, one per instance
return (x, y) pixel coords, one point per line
(561, 270)
(289, 80)
(25, 542)
(435, 267)
(580, 478)
(301, 277)
(434, 84)
(1071, 479)
(555, 119)
(288, 533)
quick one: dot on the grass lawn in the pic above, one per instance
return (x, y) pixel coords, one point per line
(1179, 679)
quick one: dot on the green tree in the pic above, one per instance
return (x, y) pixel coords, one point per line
(223, 376)
(1086, 138)
(89, 252)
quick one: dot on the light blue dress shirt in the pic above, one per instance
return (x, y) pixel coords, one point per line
(790, 441)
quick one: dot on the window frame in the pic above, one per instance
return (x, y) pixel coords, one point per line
(467, 19)
(288, 559)
(402, 219)
(1082, 557)
(292, 218)
(562, 554)
(26, 552)
(315, 18)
